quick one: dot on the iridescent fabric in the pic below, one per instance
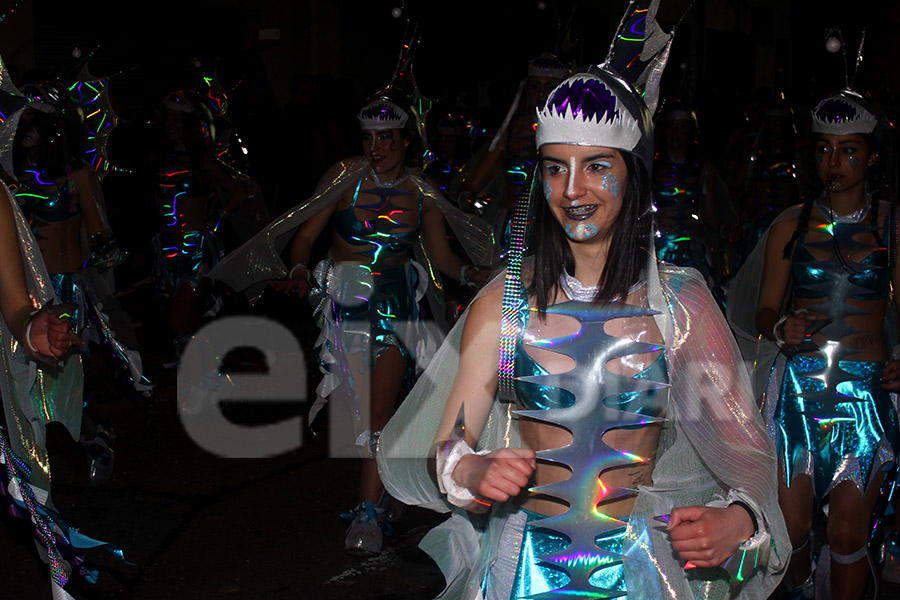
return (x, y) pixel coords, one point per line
(534, 576)
(46, 207)
(677, 194)
(834, 422)
(92, 323)
(383, 238)
(183, 258)
(32, 396)
(712, 440)
(250, 266)
(363, 311)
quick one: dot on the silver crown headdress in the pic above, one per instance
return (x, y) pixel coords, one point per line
(612, 104)
(547, 65)
(843, 114)
(382, 114)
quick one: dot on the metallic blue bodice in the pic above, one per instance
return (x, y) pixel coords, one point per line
(589, 400)
(181, 180)
(535, 396)
(47, 207)
(382, 236)
(837, 276)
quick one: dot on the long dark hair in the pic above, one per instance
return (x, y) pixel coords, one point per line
(628, 247)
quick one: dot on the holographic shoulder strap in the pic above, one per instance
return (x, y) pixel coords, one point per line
(513, 289)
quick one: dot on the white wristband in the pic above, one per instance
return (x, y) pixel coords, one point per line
(300, 266)
(778, 339)
(27, 335)
(447, 458)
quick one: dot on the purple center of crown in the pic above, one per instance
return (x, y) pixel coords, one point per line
(589, 98)
(379, 112)
(835, 110)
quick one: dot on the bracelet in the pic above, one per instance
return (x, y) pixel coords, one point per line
(779, 341)
(27, 335)
(750, 512)
(462, 274)
(300, 266)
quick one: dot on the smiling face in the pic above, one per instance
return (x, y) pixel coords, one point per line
(385, 149)
(842, 161)
(584, 186)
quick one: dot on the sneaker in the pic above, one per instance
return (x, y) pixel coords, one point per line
(890, 572)
(365, 535)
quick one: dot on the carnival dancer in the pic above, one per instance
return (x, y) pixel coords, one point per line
(620, 407)
(498, 173)
(366, 293)
(188, 181)
(824, 288)
(60, 196)
(40, 383)
(685, 185)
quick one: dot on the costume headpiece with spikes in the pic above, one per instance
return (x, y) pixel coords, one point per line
(611, 105)
(382, 114)
(547, 65)
(843, 114)
(400, 104)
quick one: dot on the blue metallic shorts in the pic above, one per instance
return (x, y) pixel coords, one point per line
(184, 258)
(536, 575)
(839, 434)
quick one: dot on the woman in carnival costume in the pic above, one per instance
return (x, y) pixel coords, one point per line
(685, 189)
(620, 427)
(824, 288)
(60, 197)
(366, 293)
(40, 383)
(195, 194)
(498, 174)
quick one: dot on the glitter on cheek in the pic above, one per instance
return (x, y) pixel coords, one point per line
(854, 162)
(613, 183)
(548, 191)
(819, 159)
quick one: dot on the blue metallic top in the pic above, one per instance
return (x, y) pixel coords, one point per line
(47, 207)
(838, 275)
(383, 236)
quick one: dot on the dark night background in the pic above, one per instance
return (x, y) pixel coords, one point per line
(197, 526)
(479, 48)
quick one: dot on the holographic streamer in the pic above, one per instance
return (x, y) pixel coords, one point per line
(59, 570)
(510, 319)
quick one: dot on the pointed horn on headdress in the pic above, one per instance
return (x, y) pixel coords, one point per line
(640, 49)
